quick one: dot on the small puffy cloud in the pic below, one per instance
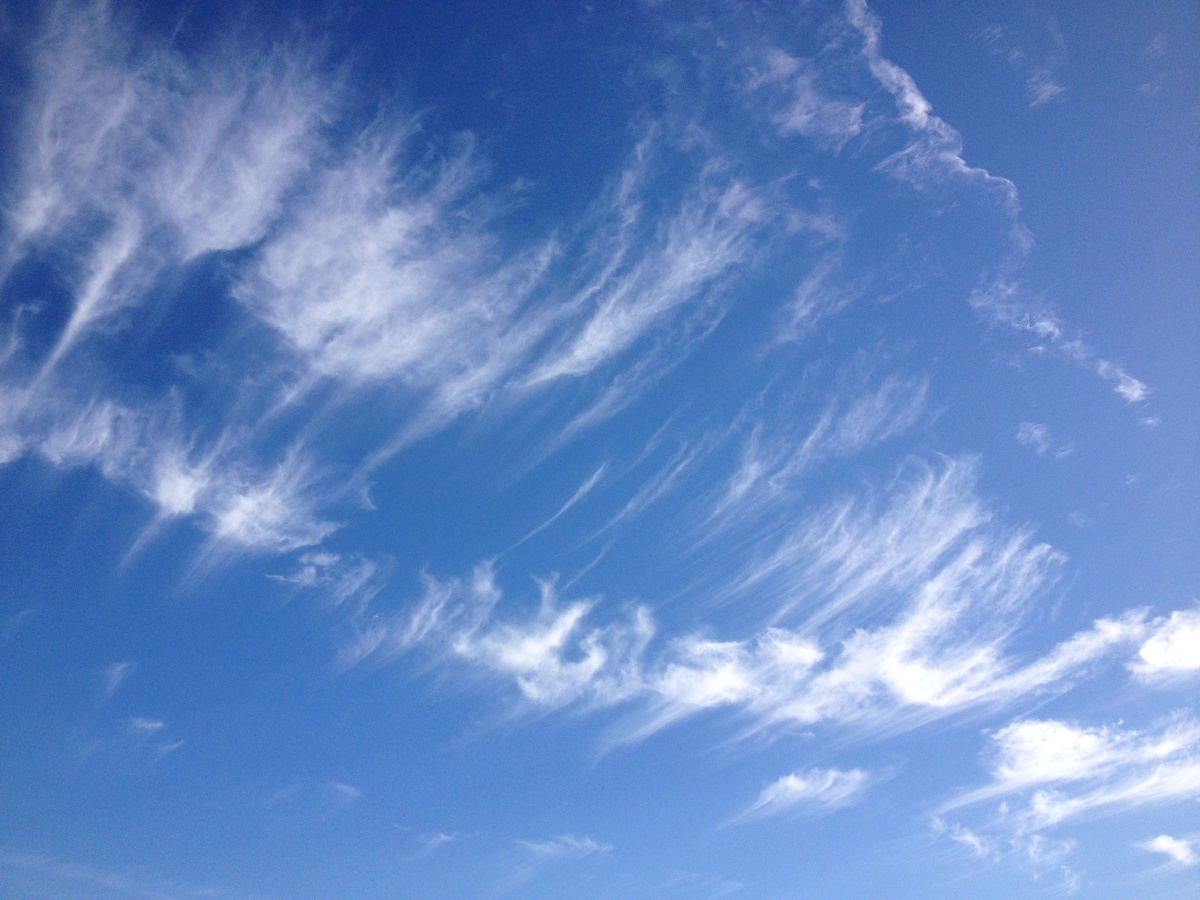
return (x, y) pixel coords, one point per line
(1173, 649)
(1179, 852)
(1036, 751)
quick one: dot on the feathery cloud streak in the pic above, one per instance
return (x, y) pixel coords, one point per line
(905, 610)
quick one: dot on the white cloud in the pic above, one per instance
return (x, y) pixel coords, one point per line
(818, 296)
(138, 157)
(275, 512)
(1042, 86)
(346, 793)
(1004, 301)
(564, 848)
(338, 578)
(1044, 855)
(981, 847)
(1179, 852)
(1172, 649)
(771, 465)
(310, 804)
(378, 274)
(1066, 772)
(58, 877)
(708, 235)
(554, 657)
(1035, 751)
(935, 153)
(580, 492)
(241, 504)
(812, 788)
(807, 110)
(944, 592)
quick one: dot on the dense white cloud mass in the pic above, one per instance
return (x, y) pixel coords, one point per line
(660, 384)
(1173, 647)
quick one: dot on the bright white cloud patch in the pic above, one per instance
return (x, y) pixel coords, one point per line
(1178, 851)
(1064, 772)
(1172, 649)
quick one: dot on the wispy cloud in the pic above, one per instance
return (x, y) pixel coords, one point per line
(1043, 854)
(239, 502)
(149, 734)
(313, 803)
(340, 579)
(52, 876)
(821, 293)
(1039, 67)
(944, 591)
(805, 108)
(143, 725)
(1039, 439)
(383, 272)
(935, 153)
(821, 789)
(1006, 302)
(709, 234)
(580, 492)
(159, 156)
(775, 458)
(566, 846)
(114, 675)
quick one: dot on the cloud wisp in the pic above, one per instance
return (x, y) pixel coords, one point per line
(1005, 302)
(910, 609)
(821, 790)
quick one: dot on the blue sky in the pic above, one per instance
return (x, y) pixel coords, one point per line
(630, 450)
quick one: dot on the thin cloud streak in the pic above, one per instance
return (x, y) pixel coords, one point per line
(812, 789)
(582, 491)
(1005, 302)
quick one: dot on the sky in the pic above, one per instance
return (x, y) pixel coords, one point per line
(495, 449)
